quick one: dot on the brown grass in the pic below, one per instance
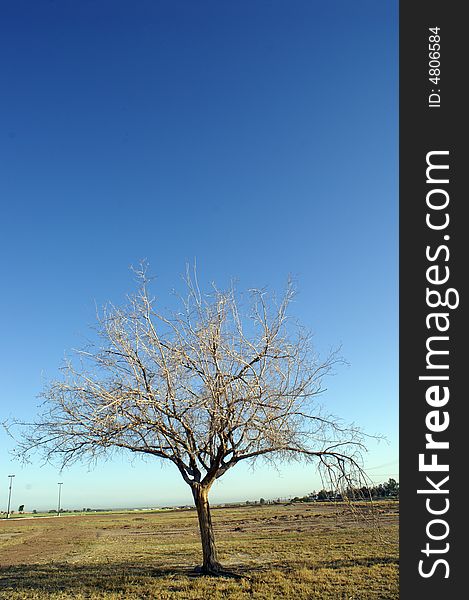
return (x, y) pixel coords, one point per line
(298, 551)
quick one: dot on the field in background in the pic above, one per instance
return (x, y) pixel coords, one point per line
(295, 551)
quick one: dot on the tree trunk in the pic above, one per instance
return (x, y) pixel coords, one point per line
(210, 563)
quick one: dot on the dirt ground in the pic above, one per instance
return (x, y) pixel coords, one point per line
(144, 555)
(29, 541)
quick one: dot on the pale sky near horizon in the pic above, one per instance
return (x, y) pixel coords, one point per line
(259, 138)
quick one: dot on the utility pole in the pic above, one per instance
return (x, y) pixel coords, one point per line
(60, 484)
(9, 495)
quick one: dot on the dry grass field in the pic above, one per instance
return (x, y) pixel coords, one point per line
(296, 551)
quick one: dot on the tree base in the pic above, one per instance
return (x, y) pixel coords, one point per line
(215, 570)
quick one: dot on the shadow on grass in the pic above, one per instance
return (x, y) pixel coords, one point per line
(63, 576)
(115, 577)
(110, 577)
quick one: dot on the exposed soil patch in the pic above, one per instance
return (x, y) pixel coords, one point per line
(40, 543)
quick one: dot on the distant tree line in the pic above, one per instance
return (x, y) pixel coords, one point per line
(388, 489)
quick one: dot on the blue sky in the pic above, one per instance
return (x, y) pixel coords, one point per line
(259, 138)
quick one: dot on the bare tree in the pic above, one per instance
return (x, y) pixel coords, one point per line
(205, 387)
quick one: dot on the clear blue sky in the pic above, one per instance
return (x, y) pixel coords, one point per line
(258, 137)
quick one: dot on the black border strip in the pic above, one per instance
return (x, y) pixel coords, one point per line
(432, 124)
